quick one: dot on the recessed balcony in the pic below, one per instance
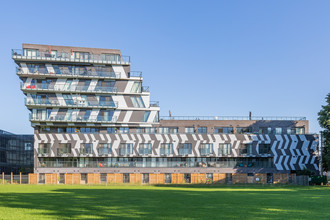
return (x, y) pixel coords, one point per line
(66, 73)
(55, 88)
(70, 103)
(19, 54)
(72, 118)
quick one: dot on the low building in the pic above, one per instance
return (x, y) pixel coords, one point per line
(16, 153)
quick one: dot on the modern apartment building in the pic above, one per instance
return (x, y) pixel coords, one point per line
(92, 115)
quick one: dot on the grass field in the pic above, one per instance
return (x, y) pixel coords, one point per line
(163, 202)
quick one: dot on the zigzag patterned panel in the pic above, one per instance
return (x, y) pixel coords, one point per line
(289, 152)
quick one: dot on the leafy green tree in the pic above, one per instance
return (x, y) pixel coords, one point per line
(324, 121)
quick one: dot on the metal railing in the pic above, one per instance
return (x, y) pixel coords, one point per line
(135, 74)
(72, 57)
(70, 103)
(145, 89)
(72, 88)
(255, 118)
(67, 73)
(154, 103)
(72, 118)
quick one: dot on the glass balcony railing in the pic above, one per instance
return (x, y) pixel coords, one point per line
(134, 74)
(70, 103)
(72, 118)
(67, 73)
(154, 103)
(52, 87)
(71, 57)
(145, 88)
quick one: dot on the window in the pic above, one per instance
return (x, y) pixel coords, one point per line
(150, 130)
(123, 130)
(209, 176)
(64, 149)
(168, 130)
(278, 130)
(27, 146)
(189, 130)
(300, 130)
(81, 55)
(145, 149)
(243, 130)
(246, 149)
(166, 149)
(145, 116)
(223, 130)
(145, 178)
(264, 130)
(224, 149)
(202, 130)
(110, 57)
(126, 178)
(137, 102)
(136, 88)
(250, 174)
(168, 178)
(185, 149)
(264, 149)
(187, 178)
(104, 149)
(44, 148)
(125, 149)
(206, 149)
(86, 148)
(31, 52)
(111, 130)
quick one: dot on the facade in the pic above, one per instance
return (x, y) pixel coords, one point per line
(16, 153)
(91, 114)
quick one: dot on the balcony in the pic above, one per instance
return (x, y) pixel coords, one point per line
(154, 103)
(54, 88)
(72, 118)
(70, 103)
(135, 74)
(18, 54)
(66, 73)
(256, 118)
(145, 89)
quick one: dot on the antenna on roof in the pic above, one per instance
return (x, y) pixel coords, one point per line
(169, 113)
(250, 115)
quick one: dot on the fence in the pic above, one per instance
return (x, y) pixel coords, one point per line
(151, 178)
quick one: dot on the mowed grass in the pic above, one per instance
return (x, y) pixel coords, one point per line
(163, 202)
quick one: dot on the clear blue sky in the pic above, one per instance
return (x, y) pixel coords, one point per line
(198, 57)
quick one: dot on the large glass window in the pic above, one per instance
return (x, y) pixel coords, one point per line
(223, 130)
(104, 149)
(202, 130)
(166, 149)
(136, 88)
(64, 149)
(224, 149)
(265, 130)
(243, 130)
(44, 148)
(185, 149)
(264, 149)
(145, 149)
(189, 130)
(246, 149)
(168, 178)
(206, 149)
(125, 177)
(145, 178)
(123, 130)
(145, 116)
(168, 130)
(300, 130)
(125, 149)
(137, 102)
(278, 130)
(86, 148)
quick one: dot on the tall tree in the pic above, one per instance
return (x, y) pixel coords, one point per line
(324, 121)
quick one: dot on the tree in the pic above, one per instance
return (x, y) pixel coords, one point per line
(324, 121)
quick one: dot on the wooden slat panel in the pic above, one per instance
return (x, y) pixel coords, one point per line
(33, 178)
(152, 178)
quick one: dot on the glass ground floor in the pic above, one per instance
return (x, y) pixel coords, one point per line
(161, 162)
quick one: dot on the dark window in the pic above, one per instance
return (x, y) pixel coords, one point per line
(202, 130)
(126, 178)
(187, 178)
(243, 130)
(223, 130)
(168, 178)
(264, 149)
(185, 148)
(145, 178)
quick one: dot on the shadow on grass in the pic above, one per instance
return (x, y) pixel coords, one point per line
(124, 202)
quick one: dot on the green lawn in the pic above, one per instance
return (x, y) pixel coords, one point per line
(163, 202)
